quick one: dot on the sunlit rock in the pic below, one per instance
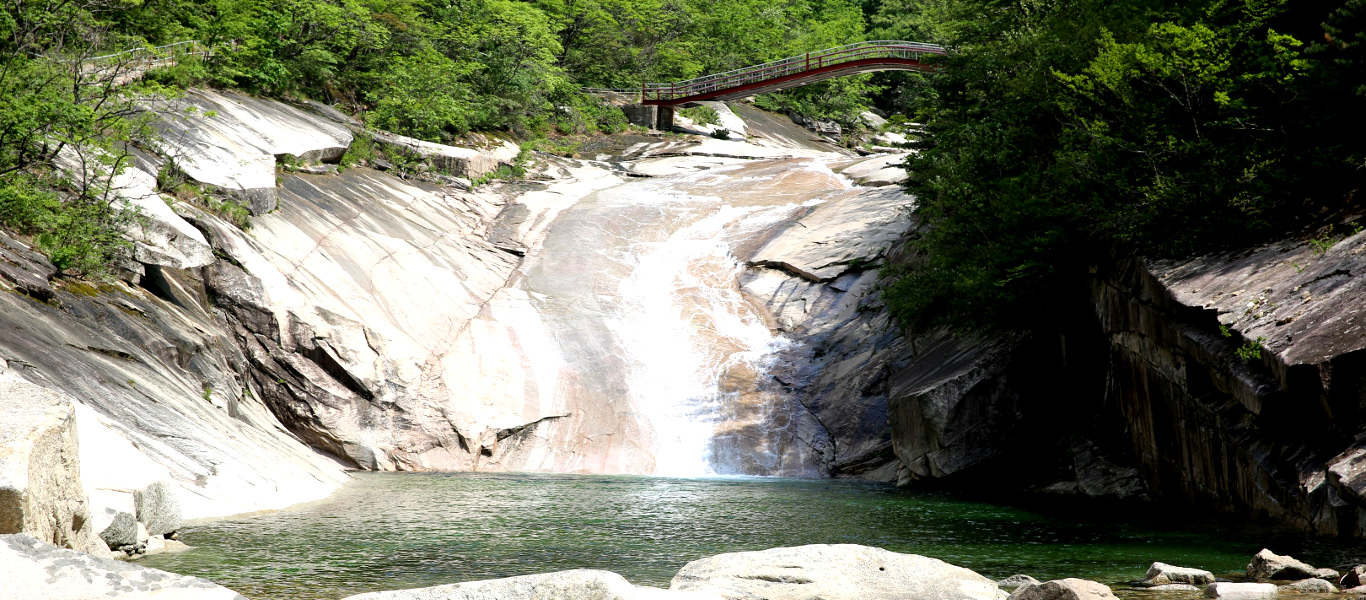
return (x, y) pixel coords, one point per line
(833, 572)
(34, 569)
(231, 141)
(1240, 591)
(1162, 574)
(579, 584)
(1269, 565)
(40, 470)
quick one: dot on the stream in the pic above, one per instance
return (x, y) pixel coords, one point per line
(401, 530)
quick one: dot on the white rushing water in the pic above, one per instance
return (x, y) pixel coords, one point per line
(642, 283)
(683, 321)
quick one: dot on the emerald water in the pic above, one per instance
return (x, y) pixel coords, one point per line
(400, 530)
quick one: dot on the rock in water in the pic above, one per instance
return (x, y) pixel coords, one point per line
(1353, 577)
(34, 569)
(1310, 586)
(1240, 591)
(1015, 582)
(1269, 565)
(40, 469)
(579, 584)
(831, 572)
(1163, 574)
(1064, 589)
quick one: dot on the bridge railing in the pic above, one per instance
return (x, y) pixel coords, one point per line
(788, 66)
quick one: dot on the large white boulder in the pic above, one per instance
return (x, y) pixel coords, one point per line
(40, 470)
(831, 572)
(33, 569)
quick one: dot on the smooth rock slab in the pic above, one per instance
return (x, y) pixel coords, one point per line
(33, 569)
(831, 572)
(578, 584)
(1163, 574)
(1240, 591)
(1064, 589)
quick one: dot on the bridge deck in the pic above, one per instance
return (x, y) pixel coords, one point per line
(863, 57)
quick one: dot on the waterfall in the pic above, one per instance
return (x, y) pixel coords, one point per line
(682, 324)
(640, 285)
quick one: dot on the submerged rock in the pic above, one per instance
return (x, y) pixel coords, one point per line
(1064, 589)
(33, 569)
(1016, 581)
(1163, 574)
(831, 572)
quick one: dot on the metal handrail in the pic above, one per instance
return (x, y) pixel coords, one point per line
(183, 48)
(789, 66)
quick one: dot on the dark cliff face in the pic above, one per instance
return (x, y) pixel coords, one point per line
(1231, 402)
(1234, 383)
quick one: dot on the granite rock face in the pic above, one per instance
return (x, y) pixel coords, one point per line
(34, 569)
(232, 141)
(1241, 377)
(162, 396)
(818, 285)
(40, 470)
(833, 572)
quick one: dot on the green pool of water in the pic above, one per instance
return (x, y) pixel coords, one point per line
(391, 531)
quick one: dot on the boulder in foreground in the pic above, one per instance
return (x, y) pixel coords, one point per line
(831, 572)
(40, 469)
(34, 569)
(1064, 589)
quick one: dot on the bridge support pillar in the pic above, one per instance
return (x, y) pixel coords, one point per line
(665, 119)
(639, 114)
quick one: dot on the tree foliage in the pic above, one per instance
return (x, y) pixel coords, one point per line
(1062, 126)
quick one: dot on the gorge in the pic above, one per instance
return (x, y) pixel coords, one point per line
(680, 306)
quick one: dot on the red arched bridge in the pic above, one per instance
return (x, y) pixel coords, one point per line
(863, 57)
